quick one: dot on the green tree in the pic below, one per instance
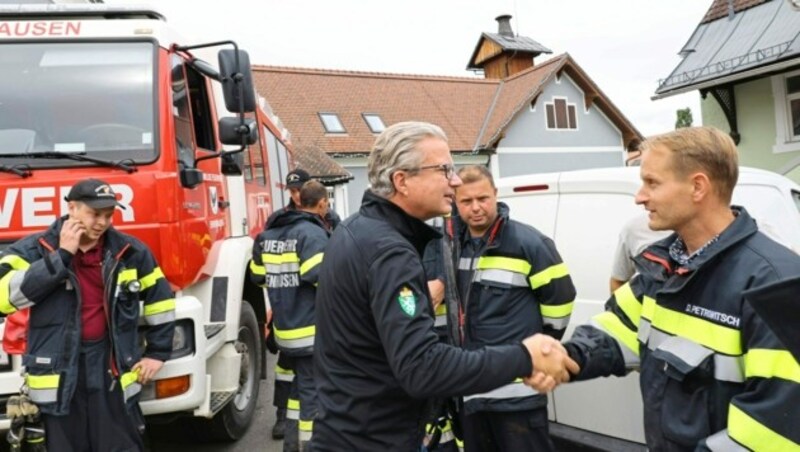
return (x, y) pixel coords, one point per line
(684, 118)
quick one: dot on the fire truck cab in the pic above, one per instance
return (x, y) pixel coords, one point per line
(92, 90)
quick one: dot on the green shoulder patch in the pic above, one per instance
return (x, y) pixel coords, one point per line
(407, 301)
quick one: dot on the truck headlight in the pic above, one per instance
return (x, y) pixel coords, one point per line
(183, 340)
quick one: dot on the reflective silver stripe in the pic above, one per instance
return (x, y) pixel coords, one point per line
(644, 330)
(558, 323)
(511, 390)
(282, 374)
(446, 437)
(295, 343)
(729, 368)
(689, 352)
(288, 267)
(441, 320)
(726, 368)
(43, 395)
(132, 390)
(158, 319)
(304, 435)
(15, 295)
(631, 359)
(501, 276)
(721, 442)
(466, 263)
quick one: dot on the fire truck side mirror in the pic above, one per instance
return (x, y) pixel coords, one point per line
(191, 177)
(233, 131)
(237, 81)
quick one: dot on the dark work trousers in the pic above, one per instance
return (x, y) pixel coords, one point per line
(284, 374)
(98, 420)
(305, 389)
(518, 431)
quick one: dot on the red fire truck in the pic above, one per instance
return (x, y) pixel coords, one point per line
(91, 90)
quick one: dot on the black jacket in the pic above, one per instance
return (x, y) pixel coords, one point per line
(377, 357)
(513, 284)
(286, 260)
(40, 278)
(713, 374)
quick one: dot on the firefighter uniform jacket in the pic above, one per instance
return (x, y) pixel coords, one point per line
(377, 357)
(286, 259)
(513, 284)
(33, 275)
(713, 375)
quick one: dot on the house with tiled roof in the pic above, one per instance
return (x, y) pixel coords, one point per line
(744, 59)
(519, 118)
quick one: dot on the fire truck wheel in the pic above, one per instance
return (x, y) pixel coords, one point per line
(232, 422)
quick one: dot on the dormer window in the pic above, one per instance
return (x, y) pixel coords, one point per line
(374, 122)
(332, 123)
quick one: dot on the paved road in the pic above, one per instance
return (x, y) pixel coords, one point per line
(257, 438)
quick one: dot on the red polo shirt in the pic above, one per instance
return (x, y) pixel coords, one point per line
(88, 268)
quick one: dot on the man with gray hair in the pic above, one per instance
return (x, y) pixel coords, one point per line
(376, 354)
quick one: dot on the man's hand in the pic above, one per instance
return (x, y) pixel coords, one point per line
(551, 363)
(436, 289)
(70, 237)
(147, 369)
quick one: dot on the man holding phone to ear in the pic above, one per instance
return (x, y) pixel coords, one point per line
(83, 281)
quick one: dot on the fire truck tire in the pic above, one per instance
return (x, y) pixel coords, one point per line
(232, 422)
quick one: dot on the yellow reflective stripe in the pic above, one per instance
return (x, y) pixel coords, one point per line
(293, 404)
(306, 426)
(42, 381)
(15, 262)
(716, 337)
(310, 263)
(759, 362)
(614, 326)
(504, 263)
(648, 307)
(755, 435)
(281, 370)
(284, 258)
(297, 333)
(159, 307)
(129, 274)
(6, 307)
(441, 309)
(150, 280)
(128, 378)
(544, 277)
(556, 311)
(259, 270)
(627, 301)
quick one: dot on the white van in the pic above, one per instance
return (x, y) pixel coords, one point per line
(583, 211)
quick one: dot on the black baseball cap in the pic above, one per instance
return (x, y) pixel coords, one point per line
(94, 193)
(296, 178)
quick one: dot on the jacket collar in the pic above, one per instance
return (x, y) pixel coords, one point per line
(412, 229)
(293, 215)
(742, 227)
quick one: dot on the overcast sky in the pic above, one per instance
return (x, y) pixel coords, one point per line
(625, 46)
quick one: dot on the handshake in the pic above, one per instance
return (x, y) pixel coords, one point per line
(551, 363)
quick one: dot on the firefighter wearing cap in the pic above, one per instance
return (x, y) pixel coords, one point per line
(286, 407)
(83, 282)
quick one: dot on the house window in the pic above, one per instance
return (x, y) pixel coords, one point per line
(374, 122)
(793, 99)
(561, 114)
(331, 123)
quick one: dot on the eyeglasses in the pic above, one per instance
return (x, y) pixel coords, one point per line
(447, 169)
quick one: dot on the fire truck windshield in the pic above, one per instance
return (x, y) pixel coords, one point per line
(92, 98)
